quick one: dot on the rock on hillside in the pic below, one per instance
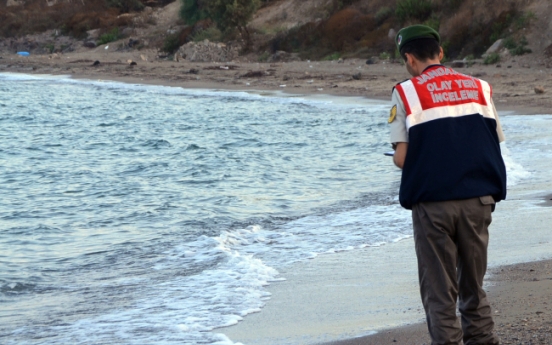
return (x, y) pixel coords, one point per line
(346, 28)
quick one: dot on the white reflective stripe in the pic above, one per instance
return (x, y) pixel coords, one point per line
(412, 97)
(448, 111)
(487, 95)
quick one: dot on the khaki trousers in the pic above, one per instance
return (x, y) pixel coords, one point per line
(451, 240)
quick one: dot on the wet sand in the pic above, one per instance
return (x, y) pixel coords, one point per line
(522, 304)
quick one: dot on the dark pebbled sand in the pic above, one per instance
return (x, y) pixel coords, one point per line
(521, 298)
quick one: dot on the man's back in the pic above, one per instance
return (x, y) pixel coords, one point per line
(453, 150)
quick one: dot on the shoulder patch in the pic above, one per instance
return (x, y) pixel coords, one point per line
(392, 114)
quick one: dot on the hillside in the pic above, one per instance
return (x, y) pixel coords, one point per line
(311, 29)
(362, 27)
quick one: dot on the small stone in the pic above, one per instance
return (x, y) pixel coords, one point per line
(495, 48)
(539, 90)
(93, 34)
(458, 63)
(357, 76)
(89, 44)
(392, 34)
(127, 32)
(132, 42)
(96, 63)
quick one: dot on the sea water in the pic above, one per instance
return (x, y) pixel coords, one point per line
(139, 214)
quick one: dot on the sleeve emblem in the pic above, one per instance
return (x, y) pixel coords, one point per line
(392, 114)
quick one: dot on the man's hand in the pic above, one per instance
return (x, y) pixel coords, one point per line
(400, 154)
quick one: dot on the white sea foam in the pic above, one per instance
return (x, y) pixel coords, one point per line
(272, 96)
(527, 145)
(240, 264)
(514, 171)
(22, 77)
(243, 261)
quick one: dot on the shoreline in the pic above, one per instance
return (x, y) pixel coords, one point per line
(520, 314)
(214, 85)
(513, 86)
(336, 299)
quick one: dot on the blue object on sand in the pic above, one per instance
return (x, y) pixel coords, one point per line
(390, 153)
(23, 53)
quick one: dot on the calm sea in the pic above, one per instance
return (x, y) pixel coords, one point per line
(136, 214)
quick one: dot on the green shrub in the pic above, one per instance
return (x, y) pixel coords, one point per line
(433, 23)
(385, 56)
(192, 11)
(523, 20)
(509, 43)
(382, 14)
(517, 48)
(126, 5)
(470, 60)
(492, 59)
(264, 56)
(111, 36)
(50, 47)
(230, 14)
(397, 55)
(171, 43)
(499, 26)
(413, 9)
(520, 50)
(331, 57)
(211, 33)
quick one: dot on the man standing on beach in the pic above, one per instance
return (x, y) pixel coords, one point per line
(446, 134)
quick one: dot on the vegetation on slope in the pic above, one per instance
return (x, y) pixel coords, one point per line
(71, 18)
(363, 27)
(349, 28)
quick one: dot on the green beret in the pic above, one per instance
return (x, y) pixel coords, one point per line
(415, 32)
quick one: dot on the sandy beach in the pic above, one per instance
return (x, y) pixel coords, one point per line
(519, 293)
(521, 304)
(514, 81)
